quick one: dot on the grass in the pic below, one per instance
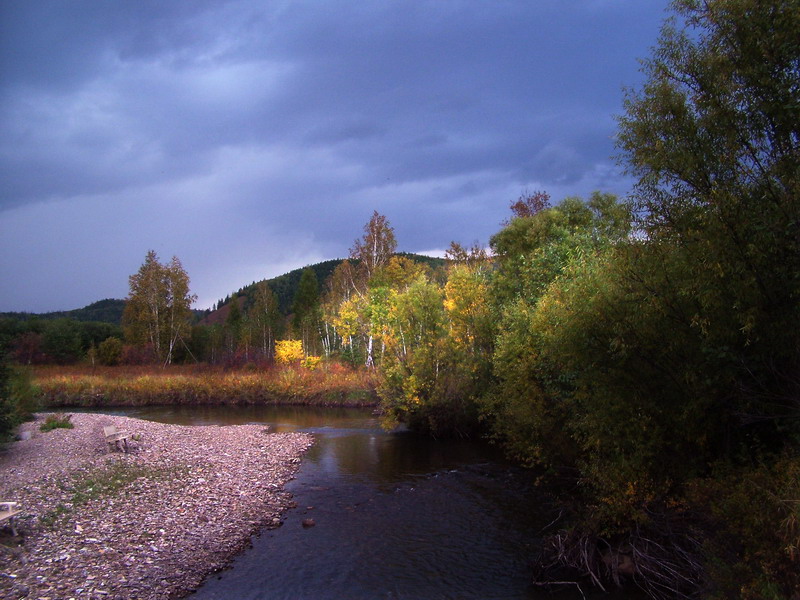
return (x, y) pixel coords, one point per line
(91, 485)
(329, 385)
(56, 422)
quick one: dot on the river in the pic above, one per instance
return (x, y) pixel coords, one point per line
(394, 515)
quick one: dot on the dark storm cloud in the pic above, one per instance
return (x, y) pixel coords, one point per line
(300, 118)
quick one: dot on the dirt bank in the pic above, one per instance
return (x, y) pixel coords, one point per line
(148, 524)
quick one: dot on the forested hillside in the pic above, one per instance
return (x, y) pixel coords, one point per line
(210, 335)
(285, 286)
(102, 311)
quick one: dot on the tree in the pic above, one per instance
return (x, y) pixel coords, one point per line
(530, 404)
(178, 305)
(373, 251)
(306, 310)
(233, 327)
(61, 341)
(376, 247)
(109, 352)
(399, 273)
(413, 329)
(475, 256)
(669, 364)
(468, 310)
(158, 310)
(143, 318)
(533, 250)
(199, 343)
(714, 139)
(28, 348)
(528, 204)
(267, 317)
(339, 288)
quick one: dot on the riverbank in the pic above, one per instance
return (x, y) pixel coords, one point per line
(149, 524)
(92, 387)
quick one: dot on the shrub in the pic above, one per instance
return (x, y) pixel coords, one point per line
(752, 537)
(288, 351)
(6, 407)
(56, 422)
(311, 362)
(18, 398)
(138, 355)
(109, 352)
(328, 384)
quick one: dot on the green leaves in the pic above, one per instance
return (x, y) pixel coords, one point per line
(158, 312)
(714, 136)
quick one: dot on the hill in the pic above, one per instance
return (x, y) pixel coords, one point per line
(285, 286)
(102, 311)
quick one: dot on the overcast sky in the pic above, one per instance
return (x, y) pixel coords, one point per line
(250, 138)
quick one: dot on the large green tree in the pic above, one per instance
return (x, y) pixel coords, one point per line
(158, 310)
(676, 354)
(714, 140)
(61, 341)
(530, 404)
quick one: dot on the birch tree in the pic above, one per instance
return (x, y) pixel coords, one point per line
(267, 317)
(376, 247)
(158, 311)
(373, 252)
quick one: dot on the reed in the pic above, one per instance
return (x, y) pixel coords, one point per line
(328, 385)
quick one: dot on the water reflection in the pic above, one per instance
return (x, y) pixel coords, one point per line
(281, 418)
(396, 515)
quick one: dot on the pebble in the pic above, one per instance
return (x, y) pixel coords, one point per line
(199, 494)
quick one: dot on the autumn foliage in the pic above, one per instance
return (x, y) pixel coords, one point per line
(329, 385)
(289, 352)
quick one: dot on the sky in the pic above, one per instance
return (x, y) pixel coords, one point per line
(249, 138)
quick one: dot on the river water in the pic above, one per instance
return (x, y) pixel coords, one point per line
(395, 515)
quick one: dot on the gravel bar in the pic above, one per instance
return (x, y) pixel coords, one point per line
(150, 523)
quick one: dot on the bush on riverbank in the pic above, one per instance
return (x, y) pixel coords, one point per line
(331, 385)
(18, 398)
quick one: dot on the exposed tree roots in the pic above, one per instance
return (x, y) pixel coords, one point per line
(664, 559)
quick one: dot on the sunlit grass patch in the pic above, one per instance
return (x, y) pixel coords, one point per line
(325, 385)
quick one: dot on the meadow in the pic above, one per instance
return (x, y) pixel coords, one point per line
(92, 387)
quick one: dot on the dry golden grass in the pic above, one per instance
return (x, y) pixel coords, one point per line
(328, 385)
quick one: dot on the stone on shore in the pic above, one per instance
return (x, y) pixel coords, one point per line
(152, 523)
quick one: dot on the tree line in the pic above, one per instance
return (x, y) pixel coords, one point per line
(644, 350)
(53, 341)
